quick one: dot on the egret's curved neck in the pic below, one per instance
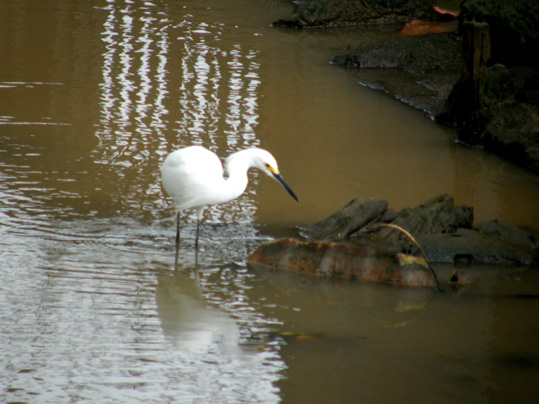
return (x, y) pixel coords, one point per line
(235, 184)
(236, 167)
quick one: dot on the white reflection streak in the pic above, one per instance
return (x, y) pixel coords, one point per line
(126, 84)
(194, 102)
(200, 101)
(148, 32)
(202, 70)
(134, 64)
(186, 77)
(250, 102)
(161, 77)
(233, 116)
(107, 98)
(143, 73)
(214, 102)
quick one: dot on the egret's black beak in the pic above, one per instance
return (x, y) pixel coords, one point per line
(281, 180)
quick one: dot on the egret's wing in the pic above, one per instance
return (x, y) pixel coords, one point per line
(190, 175)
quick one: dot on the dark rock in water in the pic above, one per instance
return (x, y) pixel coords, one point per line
(340, 261)
(438, 215)
(474, 247)
(355, 215)
(442, 229)
(510, 233)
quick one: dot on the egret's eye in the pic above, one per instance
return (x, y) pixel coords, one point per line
(271, 169)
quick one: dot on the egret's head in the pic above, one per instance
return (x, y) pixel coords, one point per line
(263, 160)
(266, 163)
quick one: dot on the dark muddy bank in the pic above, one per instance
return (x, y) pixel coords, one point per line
(425, 57)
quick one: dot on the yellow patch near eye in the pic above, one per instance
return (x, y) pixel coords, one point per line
(271, 169)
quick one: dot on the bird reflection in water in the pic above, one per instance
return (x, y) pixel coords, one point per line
(187, 319)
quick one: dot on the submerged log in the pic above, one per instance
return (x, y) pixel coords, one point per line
(342, 261)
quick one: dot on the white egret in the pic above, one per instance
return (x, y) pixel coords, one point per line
(193, 177)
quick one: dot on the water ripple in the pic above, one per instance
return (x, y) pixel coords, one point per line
(150, 326)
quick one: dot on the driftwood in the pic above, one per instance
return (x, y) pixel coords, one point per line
(341, 261)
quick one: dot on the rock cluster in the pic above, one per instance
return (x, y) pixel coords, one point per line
(361, 242)
(443, 230)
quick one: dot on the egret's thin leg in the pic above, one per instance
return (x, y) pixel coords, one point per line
(200, 212)
(196, 239)
(176, 257)
(177, 228)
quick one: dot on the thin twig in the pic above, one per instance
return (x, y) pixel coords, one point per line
(413, 240)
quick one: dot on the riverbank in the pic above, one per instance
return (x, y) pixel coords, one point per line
(415, 52)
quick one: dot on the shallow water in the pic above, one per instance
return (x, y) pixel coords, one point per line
(93, 96)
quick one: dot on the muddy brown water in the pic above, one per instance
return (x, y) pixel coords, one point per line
(93, 95)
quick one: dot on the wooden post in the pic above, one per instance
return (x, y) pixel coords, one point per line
(476, 52)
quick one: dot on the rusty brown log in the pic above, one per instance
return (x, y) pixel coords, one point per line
(343, 261)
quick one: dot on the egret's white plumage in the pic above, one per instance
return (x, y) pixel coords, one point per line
(194, 177)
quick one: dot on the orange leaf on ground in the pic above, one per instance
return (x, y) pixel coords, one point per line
(416, 28)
